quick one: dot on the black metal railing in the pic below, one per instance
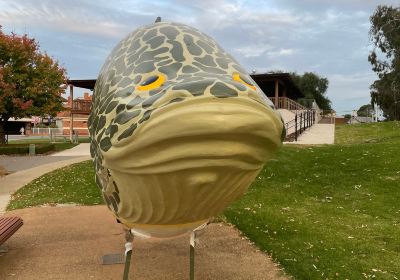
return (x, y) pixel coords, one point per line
(299, 124)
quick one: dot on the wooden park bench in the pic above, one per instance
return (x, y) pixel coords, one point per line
(8, 226)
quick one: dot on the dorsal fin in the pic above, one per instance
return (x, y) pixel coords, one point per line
(158, 19)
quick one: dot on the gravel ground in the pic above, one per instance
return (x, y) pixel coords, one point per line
(68, 243)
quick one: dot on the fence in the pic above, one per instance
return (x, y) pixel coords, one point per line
(47, 130)
(287, 103)
(56, 134)
(301, 122)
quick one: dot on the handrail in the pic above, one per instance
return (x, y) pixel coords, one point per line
(287, 103)
(299, 124)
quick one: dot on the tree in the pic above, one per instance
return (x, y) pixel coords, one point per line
(31, 82)
(365, 110)
(385, 60)
(314, 87)
(347, 116)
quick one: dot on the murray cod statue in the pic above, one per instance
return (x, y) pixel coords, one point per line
(178, 130)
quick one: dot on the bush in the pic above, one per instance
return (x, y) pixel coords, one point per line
(45, 148)
(14, 149)
(20, 149)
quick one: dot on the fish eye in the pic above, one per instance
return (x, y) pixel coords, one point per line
(152, 82)
(244, 80)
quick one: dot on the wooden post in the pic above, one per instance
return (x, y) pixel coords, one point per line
(284, 97)
(71, 119)
(295, 130)
(276, 94)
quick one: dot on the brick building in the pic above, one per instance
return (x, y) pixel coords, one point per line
(80, 117)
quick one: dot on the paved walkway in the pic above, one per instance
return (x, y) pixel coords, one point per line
(68, 243)
(316, 135)
(82, 149)
(17, 163)
(11, 183)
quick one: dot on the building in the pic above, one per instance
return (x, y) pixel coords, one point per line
(13, 126)
(279, 88)
(80, 113)
(356, 119)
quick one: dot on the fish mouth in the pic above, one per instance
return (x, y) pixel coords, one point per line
(200, 132)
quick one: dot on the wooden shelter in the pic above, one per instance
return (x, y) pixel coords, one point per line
(279, 88)
(79, 106)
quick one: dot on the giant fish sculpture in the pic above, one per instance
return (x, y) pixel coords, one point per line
(178, 130)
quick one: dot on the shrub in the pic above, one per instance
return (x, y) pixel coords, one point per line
(20, 149)
(44, 148)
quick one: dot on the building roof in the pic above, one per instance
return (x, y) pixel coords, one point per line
(264, 81)
(88, 83)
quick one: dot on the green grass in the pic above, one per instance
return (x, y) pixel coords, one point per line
(330, 212)
(63, 146)
(84, 139)
(72, 184)
(45, 139)
(327, 212)
(29, 141)
(384, 132)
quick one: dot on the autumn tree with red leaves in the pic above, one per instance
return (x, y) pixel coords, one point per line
(31, 82)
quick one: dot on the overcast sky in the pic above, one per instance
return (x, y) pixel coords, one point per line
(329, 38)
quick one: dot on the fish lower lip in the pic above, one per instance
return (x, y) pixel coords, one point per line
(200, 132)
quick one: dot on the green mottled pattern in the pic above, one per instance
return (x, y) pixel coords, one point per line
(192, 63)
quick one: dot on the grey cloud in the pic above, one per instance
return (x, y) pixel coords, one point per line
(328, 37)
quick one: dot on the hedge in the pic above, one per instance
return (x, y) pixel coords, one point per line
(12, 149)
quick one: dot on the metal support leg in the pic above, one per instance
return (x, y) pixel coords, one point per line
(128, 253)
(193, 239)
(192, 244)
(3, 249)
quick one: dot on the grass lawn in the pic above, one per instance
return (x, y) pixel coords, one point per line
(72, 184)
(385, 132)
(327, 212)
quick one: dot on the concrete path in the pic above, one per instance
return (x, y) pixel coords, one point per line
(18, 163)
(68, 243)
(11, 183)
(316, 135)
(82, 149)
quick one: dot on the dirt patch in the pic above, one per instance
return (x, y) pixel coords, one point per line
(67, 243)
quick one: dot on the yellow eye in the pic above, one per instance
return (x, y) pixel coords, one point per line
(238, 78)
(152, 82)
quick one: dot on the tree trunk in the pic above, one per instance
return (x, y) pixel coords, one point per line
(2, 133)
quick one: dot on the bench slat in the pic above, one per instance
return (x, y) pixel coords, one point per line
(8, 233)
(8, 226)
(8, 221)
